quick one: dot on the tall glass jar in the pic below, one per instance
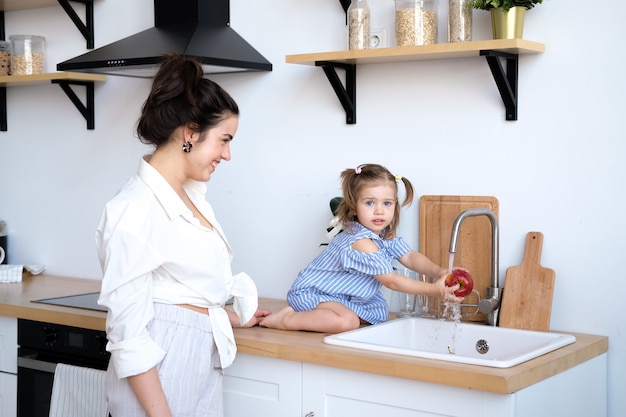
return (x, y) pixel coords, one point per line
(358, 25)
(416, 22)
(459, 21)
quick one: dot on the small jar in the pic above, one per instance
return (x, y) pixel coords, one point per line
(416, 22)
(27, 54)
(5, 57)
(459, 21)
(358, 25)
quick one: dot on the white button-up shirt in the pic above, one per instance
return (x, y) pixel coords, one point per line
(152, 249)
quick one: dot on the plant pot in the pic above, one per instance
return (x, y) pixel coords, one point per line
(508, 25)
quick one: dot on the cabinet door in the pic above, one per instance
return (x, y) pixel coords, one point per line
(331, 392)
(8, 395)
(8, 344)
(262, 387)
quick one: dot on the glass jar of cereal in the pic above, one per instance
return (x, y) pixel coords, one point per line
(27, 54)
(416, 22)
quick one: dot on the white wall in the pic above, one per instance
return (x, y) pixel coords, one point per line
(559, 169)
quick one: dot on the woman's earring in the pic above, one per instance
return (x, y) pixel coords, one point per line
(187, 147)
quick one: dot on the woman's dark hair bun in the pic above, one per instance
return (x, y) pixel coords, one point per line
(180, 95)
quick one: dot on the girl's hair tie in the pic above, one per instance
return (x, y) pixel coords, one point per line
(398, 177)
(357, 170)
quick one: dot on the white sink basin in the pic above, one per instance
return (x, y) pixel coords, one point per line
(475, 344)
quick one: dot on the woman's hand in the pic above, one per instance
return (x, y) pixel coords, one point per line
(259, 314)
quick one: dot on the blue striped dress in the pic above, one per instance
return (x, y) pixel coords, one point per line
(345, 275)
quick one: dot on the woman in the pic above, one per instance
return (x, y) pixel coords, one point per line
(165, 258)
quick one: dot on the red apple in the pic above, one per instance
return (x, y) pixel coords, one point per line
(463, 278)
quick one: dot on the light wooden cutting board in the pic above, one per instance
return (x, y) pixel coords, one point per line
(437, 215)
(528, 290)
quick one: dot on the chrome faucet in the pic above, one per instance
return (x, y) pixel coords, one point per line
(491, 303)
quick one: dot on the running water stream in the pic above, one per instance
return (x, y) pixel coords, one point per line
(452, 312)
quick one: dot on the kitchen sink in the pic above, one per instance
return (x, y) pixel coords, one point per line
(474, 344)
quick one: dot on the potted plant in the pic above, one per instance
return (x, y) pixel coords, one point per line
(507, 16)
(506, 5)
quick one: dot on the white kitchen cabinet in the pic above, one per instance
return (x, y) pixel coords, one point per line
(8, 366)
(257, 386)
(260, 386)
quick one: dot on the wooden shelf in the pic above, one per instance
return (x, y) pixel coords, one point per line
(85, 27)
(420, 53)
(492, 50)
(10, 5)
(24, 80)
(65, 80)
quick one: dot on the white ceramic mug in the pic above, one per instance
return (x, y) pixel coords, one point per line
(1, 254)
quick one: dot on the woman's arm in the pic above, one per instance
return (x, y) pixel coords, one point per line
(148, 390)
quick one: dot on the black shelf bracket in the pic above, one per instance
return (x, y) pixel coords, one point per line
(345, 4)
(86, 28)
(505, 81)
(347, 94)
(87, 110)
(3, 109)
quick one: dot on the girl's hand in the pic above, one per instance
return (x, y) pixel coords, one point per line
(447, 293)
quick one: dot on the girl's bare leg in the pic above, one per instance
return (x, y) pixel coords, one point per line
(328, 317)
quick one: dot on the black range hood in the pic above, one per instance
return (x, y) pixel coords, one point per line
(194, 28)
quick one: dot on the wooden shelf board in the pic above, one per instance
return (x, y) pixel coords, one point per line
(9, 5)
(422, 52)
(21, 80)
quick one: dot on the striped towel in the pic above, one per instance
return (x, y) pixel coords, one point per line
(78, 392)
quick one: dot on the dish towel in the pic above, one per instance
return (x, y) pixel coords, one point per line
(14, 273)
(78, 392)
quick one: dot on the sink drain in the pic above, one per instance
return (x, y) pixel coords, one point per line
(482, 346)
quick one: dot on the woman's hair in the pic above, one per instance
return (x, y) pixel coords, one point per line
(367, 175)
(180, 96)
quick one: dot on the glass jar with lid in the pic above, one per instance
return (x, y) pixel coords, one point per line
(358, 25)
(27, 54)
(416, 22)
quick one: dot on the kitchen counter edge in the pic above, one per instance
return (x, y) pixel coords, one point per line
(309, 347)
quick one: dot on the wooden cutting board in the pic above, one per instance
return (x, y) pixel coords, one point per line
(528, 290)
(437, 215)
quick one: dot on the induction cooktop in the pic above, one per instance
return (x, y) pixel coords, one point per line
(87, 301)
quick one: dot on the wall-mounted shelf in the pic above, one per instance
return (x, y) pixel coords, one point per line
(65, 80)
(493, 50)
(86, 27)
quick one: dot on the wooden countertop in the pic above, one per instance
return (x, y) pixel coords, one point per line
(15, 301)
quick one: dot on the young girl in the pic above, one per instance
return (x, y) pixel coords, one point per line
(340, 288)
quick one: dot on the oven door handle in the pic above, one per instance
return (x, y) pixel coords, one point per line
(36, 365)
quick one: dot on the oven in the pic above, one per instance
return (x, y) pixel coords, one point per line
(41, 347)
